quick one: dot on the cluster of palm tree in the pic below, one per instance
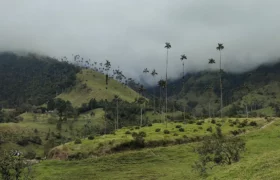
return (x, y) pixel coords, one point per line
(220, 47)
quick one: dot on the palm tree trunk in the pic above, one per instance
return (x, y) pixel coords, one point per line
(184, 90)
(166, 90)
(221, 86)
(154, 98)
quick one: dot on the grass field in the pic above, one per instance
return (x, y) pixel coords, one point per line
(91, 84)
(103, 144)
(260, 161)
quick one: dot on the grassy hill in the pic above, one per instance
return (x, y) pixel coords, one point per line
(260, 161)
(92, 84)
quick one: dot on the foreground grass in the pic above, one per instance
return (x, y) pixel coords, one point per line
(260, 161)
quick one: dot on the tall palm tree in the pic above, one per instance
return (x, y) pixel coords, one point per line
(220, 47)
(167, 46)
(210, 61)
(154, 73)
(183, 57)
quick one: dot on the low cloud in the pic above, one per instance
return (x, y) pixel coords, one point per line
(131, 34)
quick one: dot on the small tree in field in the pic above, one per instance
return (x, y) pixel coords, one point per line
(218, 150)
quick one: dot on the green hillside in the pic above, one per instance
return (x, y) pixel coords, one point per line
(260, 161)
(91, 84)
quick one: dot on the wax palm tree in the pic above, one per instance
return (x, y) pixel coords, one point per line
(154, 73)
(167, 46)
(183, 57)
(220, 47)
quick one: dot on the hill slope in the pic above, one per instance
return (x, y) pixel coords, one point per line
(257, 89)
(32, 79)
(91, 84)
(260, 161)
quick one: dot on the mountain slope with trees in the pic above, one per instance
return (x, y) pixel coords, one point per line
(33, 79)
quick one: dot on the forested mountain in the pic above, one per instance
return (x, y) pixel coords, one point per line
(257, 89)
(32, 79)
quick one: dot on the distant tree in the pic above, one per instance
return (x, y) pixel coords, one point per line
(167, 46)
(220, 47)
(154, 73)
(183, 57)
(107, 68)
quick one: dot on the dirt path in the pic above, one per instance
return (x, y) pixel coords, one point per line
(267, 125)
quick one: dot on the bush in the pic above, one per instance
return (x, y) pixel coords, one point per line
(253, 123)
(166, 131)
(91, 137)
(190, 121)
(142, 134)
(213, 121)
(200, 128)
(78, 141)
(157, 130)
(178, 126)
(31, 154)
(199, 123)
(175, 134)
(218, 124)
(127, 132)
(137, 127)
(36, 140)
(209, 129)
(150, 124)
(181, 129)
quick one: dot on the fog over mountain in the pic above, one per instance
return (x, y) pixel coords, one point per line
(131, 33)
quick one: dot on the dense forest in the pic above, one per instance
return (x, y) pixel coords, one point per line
(32, 79)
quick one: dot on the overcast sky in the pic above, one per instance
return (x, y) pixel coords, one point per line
(132, 33)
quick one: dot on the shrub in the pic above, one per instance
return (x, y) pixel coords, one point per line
(91, 137)
(253, 123)
(200, 128)
(127, 132)
(166, 131)
(213, 121)
(218, 124)
(150, 124)
(175, 134)
(185, 137)
(209, 129)
(195, 130)
(142, 134)
(235, 132)
(31, 154)
(78, 141)
(36, 140)
(137, 127)
(199, 123)
(178, 126)
(190, 121)
(181, 129)
(157, 130)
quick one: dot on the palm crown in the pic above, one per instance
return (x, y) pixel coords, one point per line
(220, 47)
(167, 45)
